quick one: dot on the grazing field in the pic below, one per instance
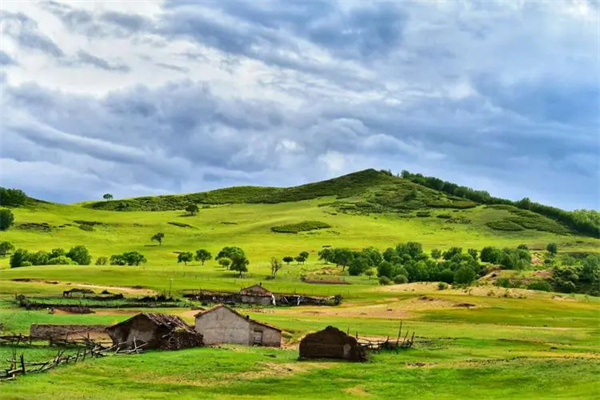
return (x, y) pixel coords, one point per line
(482, 341)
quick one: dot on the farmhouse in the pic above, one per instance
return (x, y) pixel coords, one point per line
(222, 324)
(257, 294)
(154, 331)
(332, 343)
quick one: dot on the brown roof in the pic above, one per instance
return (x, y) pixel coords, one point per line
(256, 289)
(238, 314)
(163, 320)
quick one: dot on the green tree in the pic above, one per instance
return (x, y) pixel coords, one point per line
(230, 252)
(6, 219)
(185, 257)
(369, 273)
(288, 259)
(464, 276)
(203, 255)
(490, 254)
(473, 253)
(224, 262)
(12, 197)
(61, 260)
(372, 255)
(451, 252)
(304, 254)
(39, 258)
(436, 254)
(107, 196)
(523, 247)
(192, 209)
(101, 261)
(400, 279)
(19, 258)
(358, 265)
(128, 258)
(5, 248)
(552, 248)
(299, 259)
(342, 257)
(325, 255)
(385, 269)
(276, 265)
(158, 237)
(239, 263)
(80, 255)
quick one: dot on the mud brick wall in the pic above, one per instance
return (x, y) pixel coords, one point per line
(47, 331)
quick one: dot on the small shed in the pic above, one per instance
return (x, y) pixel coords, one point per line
(257, 294)
(222, 324)
(156, 331)
(332, 343)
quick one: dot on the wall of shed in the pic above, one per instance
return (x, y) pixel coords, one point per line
(141, 329)
(223, 326)
(270, 337)
(251, 299)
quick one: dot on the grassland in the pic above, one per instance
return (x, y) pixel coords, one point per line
(510, 343)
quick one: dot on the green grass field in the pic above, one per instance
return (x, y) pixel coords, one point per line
(512, 343)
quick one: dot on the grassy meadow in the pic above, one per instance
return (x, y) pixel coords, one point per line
(482, 342)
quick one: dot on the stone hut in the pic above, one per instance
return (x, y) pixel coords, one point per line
(158, 331)
(222, 324)
(257, 294)
(332, 343)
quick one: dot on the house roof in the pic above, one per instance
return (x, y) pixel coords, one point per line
(255, 289)
(162, 320)
(236, 313)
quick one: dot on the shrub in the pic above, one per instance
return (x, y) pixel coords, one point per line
(300, 227)
(503, 282)
(504, 225)
(464, 276)
(101, 261)
(61, 260)
(86, 227)
(6, 219)
(552, 248)
(288, 259)
(19, 258)
(224, 262)
(400, 279)
(127, 258)
(423, 214)
(384, 280)
(540, 285)
(442, 286)
(12, 197)
(5, 248)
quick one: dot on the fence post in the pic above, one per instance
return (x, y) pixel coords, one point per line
(23, 363)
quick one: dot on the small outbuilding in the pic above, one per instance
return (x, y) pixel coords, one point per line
(257, 294)
(156, 331)
(222, 324)
(332, 343)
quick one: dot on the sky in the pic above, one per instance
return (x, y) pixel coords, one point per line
(156, 97)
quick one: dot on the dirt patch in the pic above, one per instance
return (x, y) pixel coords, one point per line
(133, 290)
(282, 369)
(357, 391)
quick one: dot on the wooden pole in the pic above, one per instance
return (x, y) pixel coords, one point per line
(23, 363)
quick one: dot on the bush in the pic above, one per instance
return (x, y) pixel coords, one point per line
(127, 258)
(86, 227)
(6, 219)
(442, 286)
(464, 276)
(101, 261)
(301, 227)
(504, 225)
(503, 282)
(12, 197)
(80, 255)
(61, 260)
(423, 214)
(540, 285)
(19, 258)
(384, 280)
(552, 248)
(400, 279)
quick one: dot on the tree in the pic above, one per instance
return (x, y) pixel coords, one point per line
(342, 257)
(12, 197)
(299, 259)
(452, 252)
(288, 259)
(101, 261)
(127, 258)
(523, 247)
(6, 219)
(552, 248)
(472, 253)
(107, 196)
(400, 279)
(61, 260)
(304, 254)
(19, 258)
(80, 255)
(5, 248)
(357, 266)
(490, 254)
(57, 253)
(184, 257)
(158, 237)
(325, 255)
(230, 252)
(276, 265)
(203, 255)
(385, 269)
(239, 263)
(39, 258)
(192, 209)
(464, 276)
(436, 254)
(224, 262)
(369, 273)
(372, 255)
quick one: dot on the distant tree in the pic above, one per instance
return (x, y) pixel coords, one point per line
(384, 280)
(400, 279)
(436, 254)
(369, 273)
(80, 255)
(6, 219)
(12, 197)
(491, 254)
(552, 248)
(523, 247)
(127, 258)
(57, 253)
(230, 252)
(239, 263)
(451, 252)
(185, 257)
(473, 253)
(203, 255)
(224, 262)
(192, 209)
(60, 260)
(107, 196)
(304, 254)
(5, 248)
(325, 255)
(276, 265)
(39, 258)
(464, 276)
(20, 258)
(385, 269)
(372, 256)
(288, 259)
(158, 237)
(358, 265)
(101, 261)
(343, 257)
(299, 259)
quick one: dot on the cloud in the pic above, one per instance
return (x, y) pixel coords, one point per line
(6, 60)
(497, 96)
